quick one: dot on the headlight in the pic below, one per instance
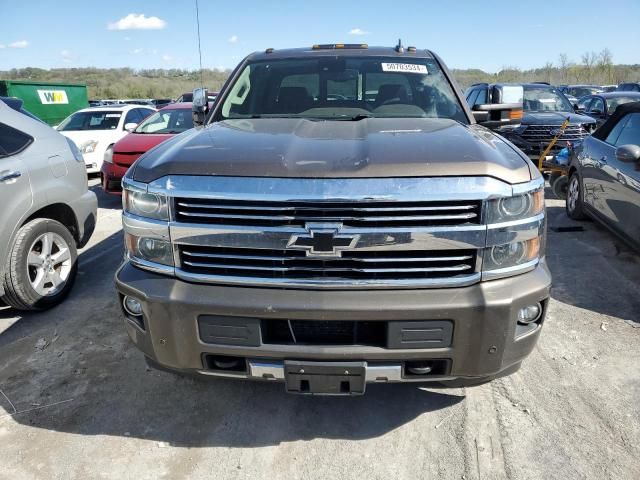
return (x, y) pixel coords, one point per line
(108, 154)
(150, 249)
(511, 254)
(75, 150)
(514, 208)
(89, 146)
(144, 204)
(515, 232)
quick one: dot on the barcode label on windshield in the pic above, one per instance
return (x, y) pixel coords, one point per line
(404, 68)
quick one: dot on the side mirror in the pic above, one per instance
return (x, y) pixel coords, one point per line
(496, 115)
(576, 108)
(628, 153)
(200, 106)
(130, 127)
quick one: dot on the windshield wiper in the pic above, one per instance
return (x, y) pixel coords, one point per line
(355, 118)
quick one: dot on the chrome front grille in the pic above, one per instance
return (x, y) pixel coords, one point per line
(543, 133)
(329, 233)
(367, 265)
(297, 213)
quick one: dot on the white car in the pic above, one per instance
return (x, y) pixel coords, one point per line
(95, 129)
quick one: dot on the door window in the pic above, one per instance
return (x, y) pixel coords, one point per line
(583, 103)
(132, 117)
(597, 106)
(12, 141)
(471, 99)
(482, 97)
(615, 131)
(630, 134)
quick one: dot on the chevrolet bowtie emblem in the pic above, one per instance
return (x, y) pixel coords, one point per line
(322, 240)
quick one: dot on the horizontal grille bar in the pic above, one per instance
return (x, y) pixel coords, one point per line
(363, 214)
(542, 133)
(246, 262)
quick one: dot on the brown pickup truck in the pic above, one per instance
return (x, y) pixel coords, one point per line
(337, 219)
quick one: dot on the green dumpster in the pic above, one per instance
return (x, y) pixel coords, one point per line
(50, 102)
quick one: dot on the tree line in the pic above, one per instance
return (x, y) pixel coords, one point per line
(104, 83)
(592, 68)
(595, 68)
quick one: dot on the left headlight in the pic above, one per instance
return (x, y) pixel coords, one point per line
(145, 204)
(89, 146)
(515, 232)
(515, 208)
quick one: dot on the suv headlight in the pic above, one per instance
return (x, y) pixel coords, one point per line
(145, 204)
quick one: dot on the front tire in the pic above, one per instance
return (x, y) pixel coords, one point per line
(41, 267)
(574, 204)
(560, 187)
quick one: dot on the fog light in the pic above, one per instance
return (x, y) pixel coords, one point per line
(529, 314)
(132, 306)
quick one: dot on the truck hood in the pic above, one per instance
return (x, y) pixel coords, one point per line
(302, 148)
(554, 118)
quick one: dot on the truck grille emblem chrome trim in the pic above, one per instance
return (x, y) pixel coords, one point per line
(323, 240)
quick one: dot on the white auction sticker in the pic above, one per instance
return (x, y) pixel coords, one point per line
(405, 68)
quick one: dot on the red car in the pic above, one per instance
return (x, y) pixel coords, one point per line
(162, 125)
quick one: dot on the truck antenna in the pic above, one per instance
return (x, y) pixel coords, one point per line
(199, 47)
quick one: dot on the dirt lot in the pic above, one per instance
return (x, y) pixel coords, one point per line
(77, 401)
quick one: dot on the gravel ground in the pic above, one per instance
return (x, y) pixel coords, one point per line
(76, 400)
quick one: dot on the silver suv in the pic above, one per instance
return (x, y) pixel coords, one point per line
(47, 212)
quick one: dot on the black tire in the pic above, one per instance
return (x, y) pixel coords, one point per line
(560, 187)
(552, 179)
(19, 292)
(574, 204)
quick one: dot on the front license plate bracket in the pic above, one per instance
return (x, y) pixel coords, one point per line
(325, 378)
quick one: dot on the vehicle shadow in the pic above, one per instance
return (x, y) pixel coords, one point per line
(105, 200)
(592, 269)
(76, 363)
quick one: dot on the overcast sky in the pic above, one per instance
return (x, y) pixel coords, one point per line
(162, 33)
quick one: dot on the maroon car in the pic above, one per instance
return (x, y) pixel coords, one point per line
(162, 125)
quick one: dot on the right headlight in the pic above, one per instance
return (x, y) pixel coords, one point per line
(145, 204)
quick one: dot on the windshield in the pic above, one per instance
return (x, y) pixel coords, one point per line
(98, 120)
(342, 89)
(541, 99)
(167, 121)
(582, 91)
(613, 103)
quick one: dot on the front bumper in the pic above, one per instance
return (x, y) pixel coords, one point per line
(111, 176)
(485, 342)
